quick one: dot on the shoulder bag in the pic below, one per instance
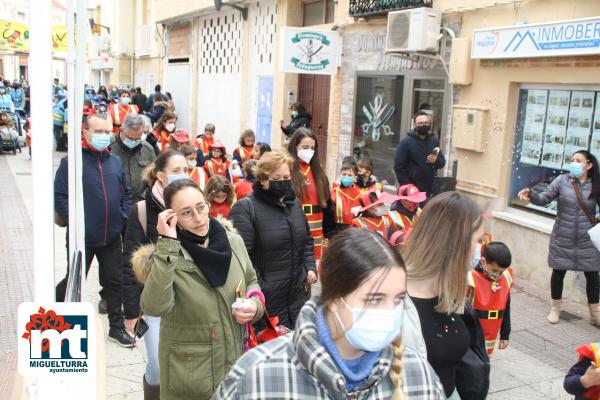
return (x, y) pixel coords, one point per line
(593, 233)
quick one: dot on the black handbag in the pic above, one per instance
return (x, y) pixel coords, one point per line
(473, 370)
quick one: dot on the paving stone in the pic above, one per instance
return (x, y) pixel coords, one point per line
(501, 380)
(518, 393)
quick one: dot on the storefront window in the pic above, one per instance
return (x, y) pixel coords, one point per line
(552, 124)
(428, 96)
(377, 123)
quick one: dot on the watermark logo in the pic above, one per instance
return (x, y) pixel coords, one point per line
(57, 338)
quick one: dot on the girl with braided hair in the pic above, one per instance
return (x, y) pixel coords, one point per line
(347, 342)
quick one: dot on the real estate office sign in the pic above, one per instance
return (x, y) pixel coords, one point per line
(553, 39)
(309, 51)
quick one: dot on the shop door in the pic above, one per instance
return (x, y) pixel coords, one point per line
(313, 93)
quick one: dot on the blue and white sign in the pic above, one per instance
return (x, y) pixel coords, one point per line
(309, 51)
(553, 39)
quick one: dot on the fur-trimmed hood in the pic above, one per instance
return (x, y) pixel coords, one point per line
(141, 259)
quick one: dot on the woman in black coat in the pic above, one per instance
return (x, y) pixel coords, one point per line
(300, 119)
(277, 238)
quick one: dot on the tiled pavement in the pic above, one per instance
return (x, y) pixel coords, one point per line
(531, 368)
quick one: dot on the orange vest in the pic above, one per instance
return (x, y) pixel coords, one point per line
(199, 176)
(591, 351)
(118, 112)
(203, 143)
(245, 153)
(403, 222)
(381, 225)
(375, 185)
(163, 138)
(489, 301)
(216, 166)
(344, 200)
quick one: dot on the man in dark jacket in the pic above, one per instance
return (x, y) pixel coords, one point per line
(416, 160)
(157, 96)
(135, 153)
(139, 99)
(106, 203)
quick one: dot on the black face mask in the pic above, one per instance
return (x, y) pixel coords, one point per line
(192, 236)
(278, 189)
(423, 130)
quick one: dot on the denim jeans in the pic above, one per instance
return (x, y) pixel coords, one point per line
(151, 339)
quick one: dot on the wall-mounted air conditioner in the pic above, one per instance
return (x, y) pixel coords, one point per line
(413, 30)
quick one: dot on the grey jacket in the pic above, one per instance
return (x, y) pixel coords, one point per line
(297, 366)
(134, 162)
(570, 245)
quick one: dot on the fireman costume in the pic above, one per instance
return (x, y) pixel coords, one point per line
(311, 206)
(344, 199)
(491, 301)
(198, 175)
(163, 137)
(217, 166)
(590, 351)
(243, 153)
(118, 112)
(203, 143)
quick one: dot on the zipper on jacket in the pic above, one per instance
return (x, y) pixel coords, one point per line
(105, 201)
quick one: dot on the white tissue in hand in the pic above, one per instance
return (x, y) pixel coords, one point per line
(239, 303)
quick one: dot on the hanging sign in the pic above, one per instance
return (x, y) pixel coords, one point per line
(14, 36)
(309, 51)
(552, 39)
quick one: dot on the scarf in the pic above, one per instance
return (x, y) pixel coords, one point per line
(213, 261)
(157, 192)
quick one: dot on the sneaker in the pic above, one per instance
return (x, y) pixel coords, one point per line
(121, 337)
(102, 307)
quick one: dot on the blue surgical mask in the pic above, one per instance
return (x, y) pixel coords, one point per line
(173, 178)
(346, 181)
(132, 144)
(100, 141)
(576, 169)
(294, 114)
(373, 329)
(476, 257)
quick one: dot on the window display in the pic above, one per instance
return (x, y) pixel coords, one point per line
(551, 126)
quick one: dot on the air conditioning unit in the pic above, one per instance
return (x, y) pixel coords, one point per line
(413, 30)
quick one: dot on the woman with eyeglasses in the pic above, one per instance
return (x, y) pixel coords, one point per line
(195, 278)
(277, 237)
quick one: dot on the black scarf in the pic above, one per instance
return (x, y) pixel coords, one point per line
(214, 260)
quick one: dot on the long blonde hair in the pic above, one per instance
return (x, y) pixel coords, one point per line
(441, 243)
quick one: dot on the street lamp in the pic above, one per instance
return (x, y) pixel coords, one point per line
(93, 25)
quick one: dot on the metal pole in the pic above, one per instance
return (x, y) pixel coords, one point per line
(42, 164)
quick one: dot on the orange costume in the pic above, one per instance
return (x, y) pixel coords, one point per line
(311, 206)
(489, 299)
(220, 209)
(198, 175)
(163, 137)
(382, 225)
(344, 200)
(243, 153)
(373, 185)
(216, 166)
(118, 111)
(591, 351)
(203, 143)
(403, 222)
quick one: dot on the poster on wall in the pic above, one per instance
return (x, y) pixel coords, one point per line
(535, 114)
(309, 51)
(556, 128)
(579, 124)
(595, 145)
(264, 116)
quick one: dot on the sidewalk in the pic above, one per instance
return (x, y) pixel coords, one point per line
(532, 367)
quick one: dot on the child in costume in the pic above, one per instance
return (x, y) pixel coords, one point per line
(217, 162)
(345, 196)
(489, 292)
(374, 213)
(583, 379)
(219, 194)
(365, 180)
(405, 211)
(197, 173)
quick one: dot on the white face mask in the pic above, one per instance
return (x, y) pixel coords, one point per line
(126, 100)
(373, 329)
(306, 155)
(191, 164)
(170, 127)
(476, 257)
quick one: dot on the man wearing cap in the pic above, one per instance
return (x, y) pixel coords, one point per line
(418, 155)
(135, 153)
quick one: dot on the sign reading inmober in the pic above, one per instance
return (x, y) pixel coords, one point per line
(552, 39)
(308, 51)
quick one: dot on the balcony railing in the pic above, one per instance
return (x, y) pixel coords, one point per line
(363, 8)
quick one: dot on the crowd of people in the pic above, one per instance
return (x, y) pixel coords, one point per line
(198, 250)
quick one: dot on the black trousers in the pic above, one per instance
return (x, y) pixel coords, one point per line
(61, 139)
(592, 285)
(110, 275)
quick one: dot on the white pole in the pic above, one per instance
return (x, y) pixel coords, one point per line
(42, 165)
